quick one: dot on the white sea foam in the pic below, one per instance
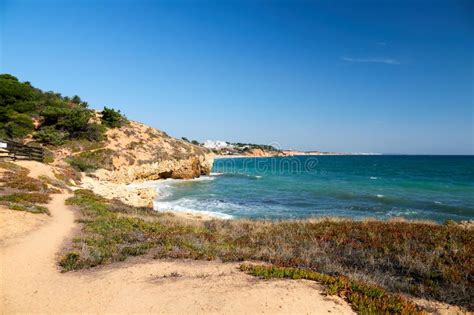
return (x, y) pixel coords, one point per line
(401, 213)
(189, 206)
(165, 189)
(373, 177)
(380, 196)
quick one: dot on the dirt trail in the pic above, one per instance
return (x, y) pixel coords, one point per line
(30, 282)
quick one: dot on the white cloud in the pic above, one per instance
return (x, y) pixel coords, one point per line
(388, 61)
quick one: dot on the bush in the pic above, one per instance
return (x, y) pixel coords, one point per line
(19, 125)
(92, 160)
(72, 123)
(25, 106)
(12, 91)
(33, 197)
(75, 121)
(49, 135)
(68, 118)
(52, 114)
(112, 118)
(95, 132)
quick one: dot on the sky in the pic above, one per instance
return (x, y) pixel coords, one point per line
(350, 76)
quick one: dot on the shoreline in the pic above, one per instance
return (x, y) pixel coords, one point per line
(147, 194)
(297, 155)
(170, 277)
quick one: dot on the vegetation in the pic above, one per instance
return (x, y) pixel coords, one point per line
(92, 160)
(364, 298)
(59, 117)
(195, 142)
(112, 118)
(26, 197)
(28, 207)
(20, 192)
(244, 147)
(52, 118)
(425, 260)
(21, 181)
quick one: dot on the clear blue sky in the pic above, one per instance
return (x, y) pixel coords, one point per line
(378, 76)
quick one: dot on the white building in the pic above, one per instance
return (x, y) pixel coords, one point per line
(217, 145)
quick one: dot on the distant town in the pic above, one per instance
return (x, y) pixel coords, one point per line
(225, 148)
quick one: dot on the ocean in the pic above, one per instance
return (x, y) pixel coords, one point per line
(384, 186)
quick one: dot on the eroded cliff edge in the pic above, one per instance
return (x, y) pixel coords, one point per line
(135, 153)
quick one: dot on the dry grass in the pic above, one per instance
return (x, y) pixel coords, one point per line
(26, 197)
(426, 260)
(21, 181)
(21, 192)
(13, 167)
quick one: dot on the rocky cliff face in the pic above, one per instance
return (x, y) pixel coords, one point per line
(145, 153)
(179, 169)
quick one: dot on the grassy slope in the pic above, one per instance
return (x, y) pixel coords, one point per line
(425, 260)
(18, 191)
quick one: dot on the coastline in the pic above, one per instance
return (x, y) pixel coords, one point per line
(183, 276)
(300, 154)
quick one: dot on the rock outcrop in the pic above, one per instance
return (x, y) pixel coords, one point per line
(139, 153)
(188, 168)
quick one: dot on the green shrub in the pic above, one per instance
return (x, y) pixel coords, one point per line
(19, 125)
(52, 114)
(92, 160)
(82, 165)
(61, 117)
(25, 106)
(28, 207)
(95, 132)
(32, 197)
(113, 118)
(75, 121)
(70, 261)
(12, 91)
(49, 135)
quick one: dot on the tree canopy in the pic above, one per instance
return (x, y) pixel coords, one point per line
(50, 117)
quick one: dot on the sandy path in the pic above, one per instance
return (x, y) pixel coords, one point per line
(14, 224)
(31, 283)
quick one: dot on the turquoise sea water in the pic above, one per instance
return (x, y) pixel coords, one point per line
(414, 187)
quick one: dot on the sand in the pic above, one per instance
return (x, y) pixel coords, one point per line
(37, 169)
(30, 282)
(14, 224)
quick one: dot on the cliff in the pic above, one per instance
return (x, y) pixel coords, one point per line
(145, 153)
(136, 152)
(90, 141)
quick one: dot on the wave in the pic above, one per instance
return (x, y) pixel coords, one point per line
(159, 182)
(185, 205)
(164, 187)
